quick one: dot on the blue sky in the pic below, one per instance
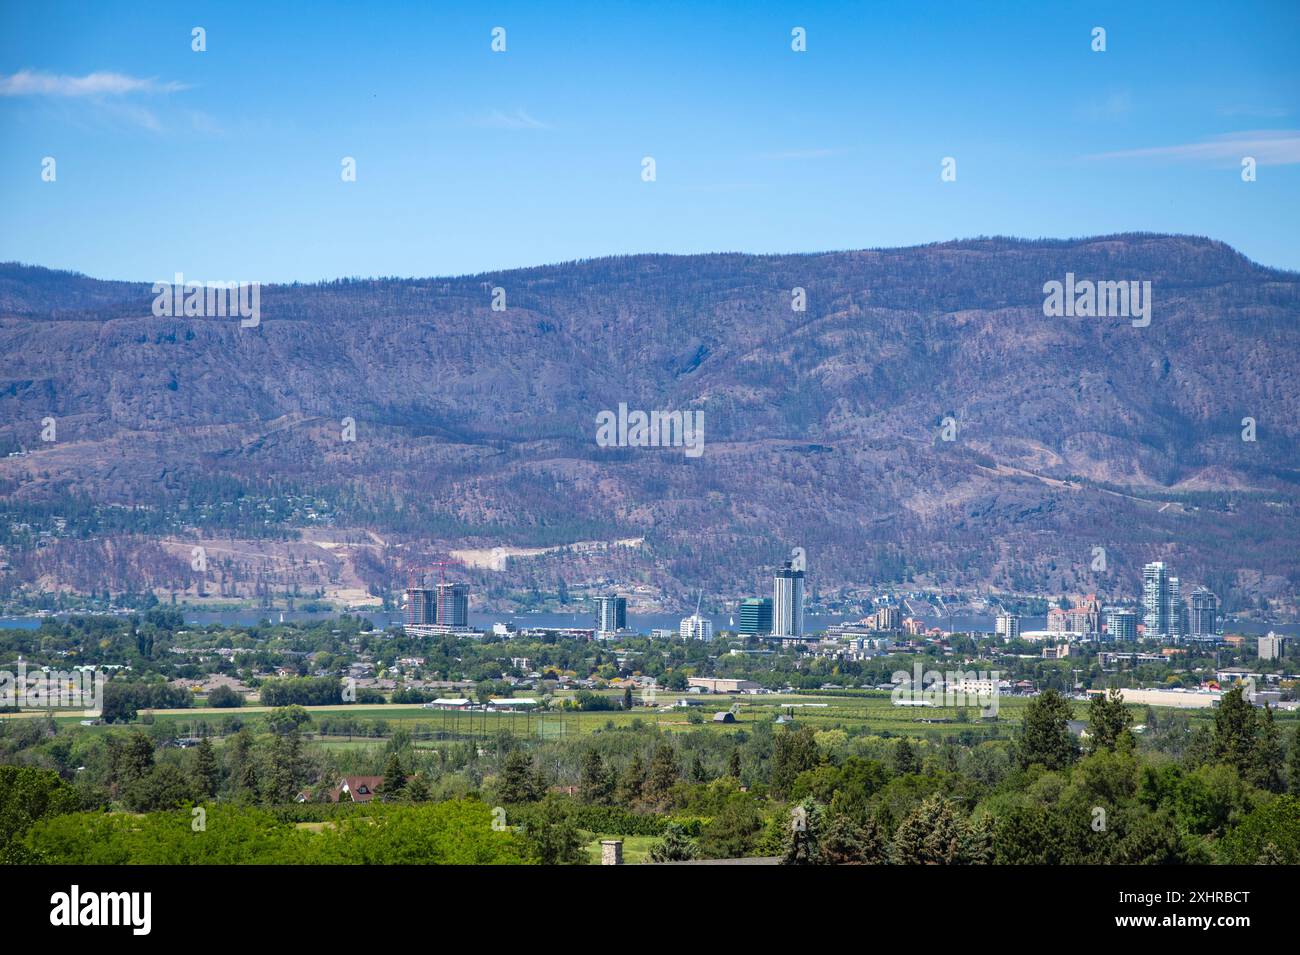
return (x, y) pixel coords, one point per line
(226, 164)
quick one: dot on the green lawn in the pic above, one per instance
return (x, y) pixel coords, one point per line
(635, 848)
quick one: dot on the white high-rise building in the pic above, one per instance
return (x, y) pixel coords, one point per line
(1008, 626)
(787, 602)
(1272, 646)
(1121, 625)
(1162, 603)
(696, 627)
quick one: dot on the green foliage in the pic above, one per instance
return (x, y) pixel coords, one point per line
(846, 842)
(675, 846)
(26, 797)
(1108, 721)
(519, 782)
(806, 822)
(794, 751)
(596, 786)
(552, 836)
(1235, 725)
(1045, 739)
(449, 833)
(302, 691)
(224, 697)
(1271, 829)
(733, 832)
(663, 774)
(937, 833)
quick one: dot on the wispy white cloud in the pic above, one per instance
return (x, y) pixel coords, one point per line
(519, 119)
(35, 83)
(1269, 147)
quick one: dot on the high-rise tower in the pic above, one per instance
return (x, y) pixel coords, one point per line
(787, 601)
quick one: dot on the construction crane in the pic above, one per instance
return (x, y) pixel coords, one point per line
(418, 574)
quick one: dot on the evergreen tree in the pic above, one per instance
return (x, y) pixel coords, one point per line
(552, 836)
(1266, 768)
(244, 768)
(206, 771)
(394, 785)
(1235, 730)
(596, 783)
(627, 697)
(977, 842)
(631, 785)
(845, 842)
(282, 784)
(935, 833)
(663, 773)
(518, 782)
(1045, 737)
(416, 789)
(675, 846)
(802, 847)
(698, 773)
(733, 764)
(131, 760)
(905, 758)
(794, 751)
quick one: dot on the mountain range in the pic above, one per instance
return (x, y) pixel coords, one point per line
(824, 428)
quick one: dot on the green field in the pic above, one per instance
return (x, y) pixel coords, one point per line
(854, 712)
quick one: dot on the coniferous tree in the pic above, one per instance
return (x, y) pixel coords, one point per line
(806, 821)
(1045, 738)
(631, 785)
(663, 773)
(935, 833)
(794, 751)
(206, 771)
(698, 773)
(244, 768)
(1235, 730)
(282, 783)
(596, 783)
(518, 781)
(675, 846)
(394, 785)
(905, 759)
(1266, 769)
(416, 789)
(845, 842)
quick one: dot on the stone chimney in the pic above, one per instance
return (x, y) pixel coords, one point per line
(611, 851)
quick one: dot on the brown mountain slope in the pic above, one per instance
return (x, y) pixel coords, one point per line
(822, 428)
